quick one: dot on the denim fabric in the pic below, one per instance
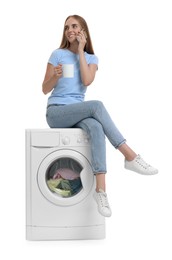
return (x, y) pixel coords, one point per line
(92, 117)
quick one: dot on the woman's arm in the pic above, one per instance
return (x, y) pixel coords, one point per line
(87, 71)
(52, 76)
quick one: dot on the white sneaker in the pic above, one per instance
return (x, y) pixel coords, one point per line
(102, 202)
(140, 166)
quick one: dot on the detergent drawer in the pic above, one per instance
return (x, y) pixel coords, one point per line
(44, 139)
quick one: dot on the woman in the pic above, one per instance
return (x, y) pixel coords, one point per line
(67, 108)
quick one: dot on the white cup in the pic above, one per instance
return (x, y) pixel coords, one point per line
(68, 70)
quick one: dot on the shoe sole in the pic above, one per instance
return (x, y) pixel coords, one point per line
(146, 174)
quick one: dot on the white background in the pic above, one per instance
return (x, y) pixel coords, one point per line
(133, 41)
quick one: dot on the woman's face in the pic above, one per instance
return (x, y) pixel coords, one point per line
(72, 28)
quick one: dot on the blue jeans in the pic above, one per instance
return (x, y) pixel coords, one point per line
(93, 118)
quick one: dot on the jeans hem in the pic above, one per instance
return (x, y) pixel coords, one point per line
(123, 142)
(99, 172)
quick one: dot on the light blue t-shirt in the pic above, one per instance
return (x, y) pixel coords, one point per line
(69, 90)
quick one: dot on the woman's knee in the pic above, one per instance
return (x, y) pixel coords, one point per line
(97, 103)
(91, 126)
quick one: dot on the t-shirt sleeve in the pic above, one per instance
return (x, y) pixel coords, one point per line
(54, 58)
(93, 59)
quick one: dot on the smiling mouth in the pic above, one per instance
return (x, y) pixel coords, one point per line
(71, 35)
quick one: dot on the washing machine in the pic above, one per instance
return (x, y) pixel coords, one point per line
(60, 186)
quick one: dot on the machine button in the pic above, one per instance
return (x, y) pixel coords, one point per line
(66, 140)
(79, 140)
(86, 140)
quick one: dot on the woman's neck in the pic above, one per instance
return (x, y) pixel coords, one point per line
(74, 47)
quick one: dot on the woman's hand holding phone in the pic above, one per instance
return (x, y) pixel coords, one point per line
(81, 38)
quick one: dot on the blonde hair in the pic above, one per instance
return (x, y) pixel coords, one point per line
(88, 47)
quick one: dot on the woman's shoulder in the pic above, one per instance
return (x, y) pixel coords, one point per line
(59, 51)
(57, 54)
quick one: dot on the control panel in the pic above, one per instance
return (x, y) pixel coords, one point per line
(67, 139)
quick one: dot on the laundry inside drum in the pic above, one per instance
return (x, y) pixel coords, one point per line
(63, 177)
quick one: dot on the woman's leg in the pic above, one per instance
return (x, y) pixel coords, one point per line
(69, 115)
(128, 153)
(98, 149)
(98, 146)
(100, 182)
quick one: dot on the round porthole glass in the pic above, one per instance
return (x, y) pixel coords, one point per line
(63, 177)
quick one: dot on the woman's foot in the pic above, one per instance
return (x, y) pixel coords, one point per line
(102, 202)
(140, 166)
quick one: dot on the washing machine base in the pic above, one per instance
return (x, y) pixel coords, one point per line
(65, 233)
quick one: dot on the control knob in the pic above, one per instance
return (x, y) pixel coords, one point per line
(79, 140)
(66, 140)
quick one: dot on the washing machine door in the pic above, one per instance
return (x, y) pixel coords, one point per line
(49, 173)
